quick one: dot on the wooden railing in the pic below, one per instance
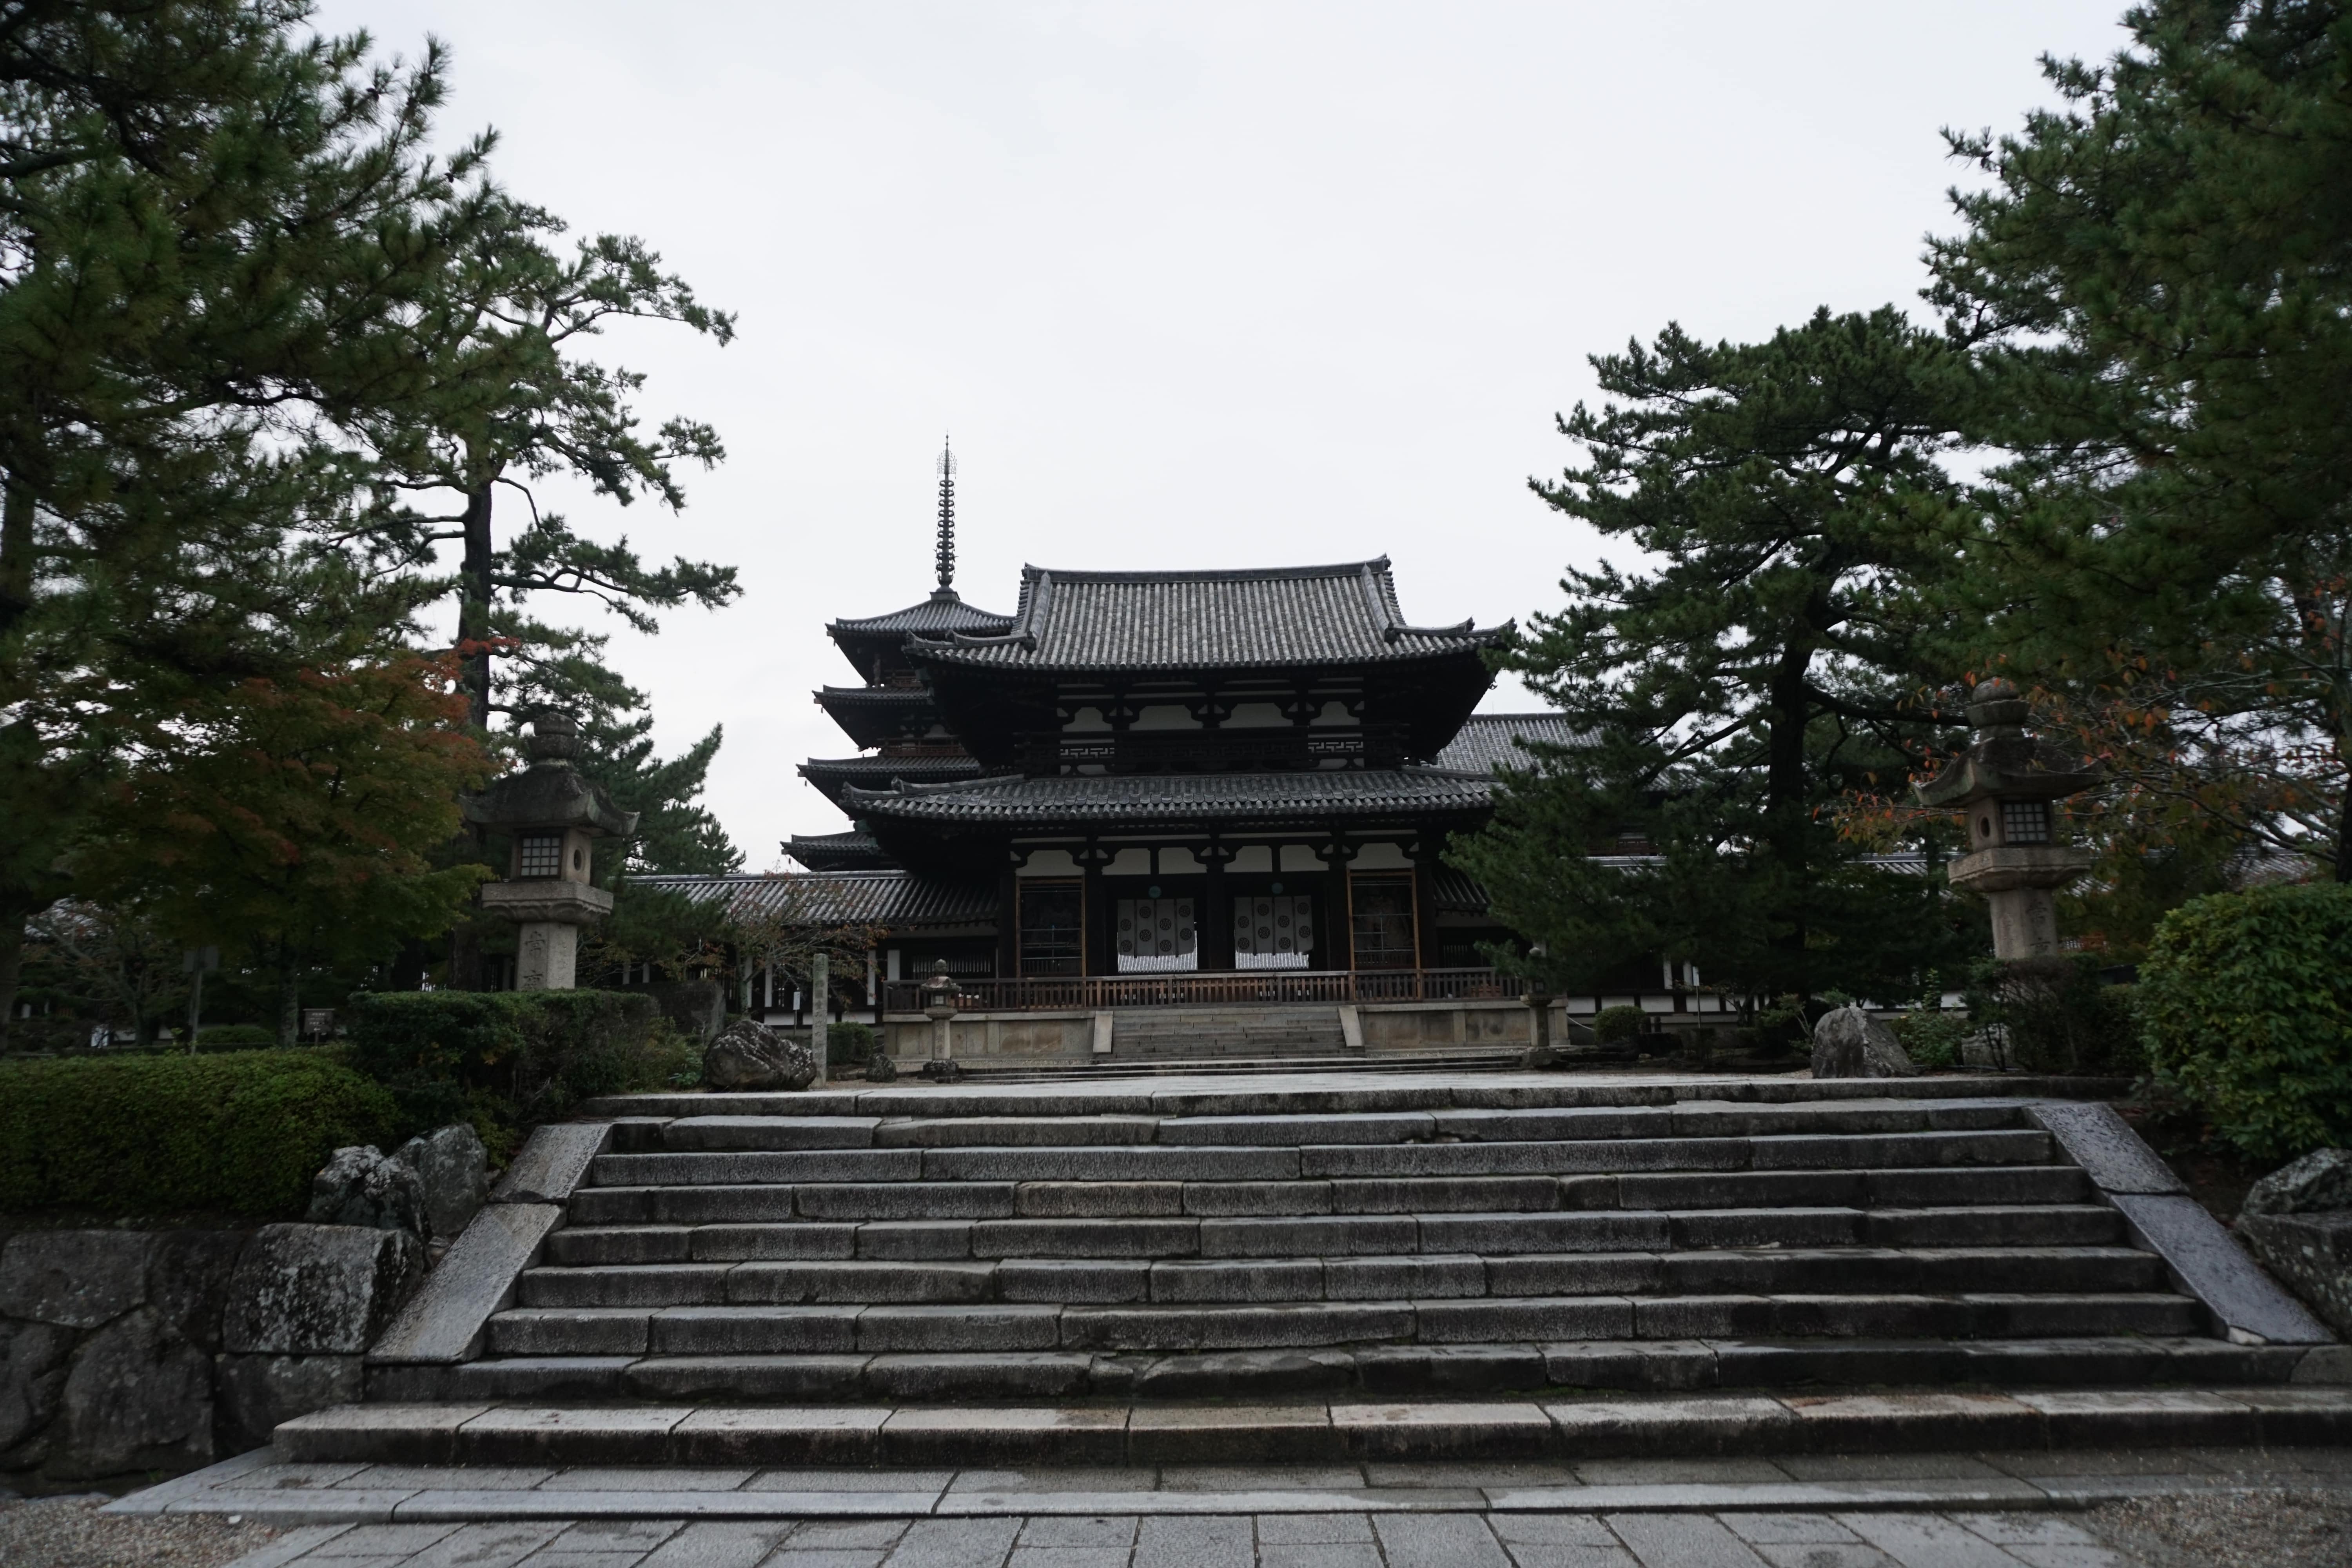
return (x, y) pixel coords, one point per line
(1239, 988)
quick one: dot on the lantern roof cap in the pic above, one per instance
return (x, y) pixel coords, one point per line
(551, 792)
(2004, 763)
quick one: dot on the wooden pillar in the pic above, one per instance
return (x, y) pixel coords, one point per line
(1340, 918)
(1008, 922)
(1427, 953)
(1215, 918)
(1100, 953)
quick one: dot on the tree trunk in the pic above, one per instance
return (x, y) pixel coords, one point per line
(475, 587)
(16, 575)
(289, 1009)
(12, 966)
(1784, 805)
(2344, 836)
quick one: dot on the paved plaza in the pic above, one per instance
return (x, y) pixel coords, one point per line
(1985, 1510)
(1851, 1539)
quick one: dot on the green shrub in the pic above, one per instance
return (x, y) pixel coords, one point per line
(848, 1045)
(236, 1134)
(237, 1037)
(1612, 1026)
(2246, 1002)
(1931, 1035)
(508, 1060)
(2058, 1016)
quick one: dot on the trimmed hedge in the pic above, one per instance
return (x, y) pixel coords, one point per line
(2246, 999)
(507, 1060)
(1616, 1026)
(237, 1133)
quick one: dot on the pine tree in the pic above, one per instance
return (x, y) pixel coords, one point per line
(1773, 663)
(2159, 277)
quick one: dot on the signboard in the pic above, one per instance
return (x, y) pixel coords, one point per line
(317, 1022)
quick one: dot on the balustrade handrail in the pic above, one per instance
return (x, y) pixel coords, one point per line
(1091, 992)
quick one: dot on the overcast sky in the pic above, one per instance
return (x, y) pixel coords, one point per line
(1192, 284)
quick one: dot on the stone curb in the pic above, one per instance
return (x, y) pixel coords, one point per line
(448, 1320)
(323, 1512)
(2248, 1307)
(1111, 1435)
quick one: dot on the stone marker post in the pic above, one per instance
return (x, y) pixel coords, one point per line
(553, 815)
(820, 1004)
(2009, 784)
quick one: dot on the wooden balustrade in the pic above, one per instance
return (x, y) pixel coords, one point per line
(1235, 988)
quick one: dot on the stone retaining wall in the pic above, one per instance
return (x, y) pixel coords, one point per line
(125, 1351)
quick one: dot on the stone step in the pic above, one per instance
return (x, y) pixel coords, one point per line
(982, 1325)
(1943, 1188)
(686, 1435)
(1504, 1233)
(1941, 1270)
(1240, 1162)
(1378, 1090)
(1764, 1270)
(1700, 1119)
(1377, 1371)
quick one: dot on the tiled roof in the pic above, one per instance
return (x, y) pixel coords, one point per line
(1456, 891)
(1295, 616)
(944, 612)
(1319, 796)
(845, 898)
(851, 851)
(878, 696)
(830, 774)
(1488, 742)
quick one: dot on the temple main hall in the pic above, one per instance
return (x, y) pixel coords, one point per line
(1228, 790)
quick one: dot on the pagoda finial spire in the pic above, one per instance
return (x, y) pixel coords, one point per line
(947, 520)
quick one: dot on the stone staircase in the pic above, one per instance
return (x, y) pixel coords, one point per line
(1194, 1035)
(1230, 1255)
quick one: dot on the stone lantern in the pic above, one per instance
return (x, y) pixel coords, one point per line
(552, 816)
(2009, 783)
(939, 1007)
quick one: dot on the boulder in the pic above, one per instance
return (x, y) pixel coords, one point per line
(750, 1055)
(1850, 1043)
(2319, 1181)
(455, 1171)
(2310, 1255)
(319, 1289)
(362, 1187)
(32, 1376)
(257, 1391)
(138, 1398)
(881, 1068)
(78, 1278)
(188, 1281)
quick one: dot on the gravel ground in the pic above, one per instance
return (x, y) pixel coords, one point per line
(69, 1532)
(2232, 1529)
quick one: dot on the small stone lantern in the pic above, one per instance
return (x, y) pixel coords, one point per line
(553, 815)
(939, 1007)
(2009, 784)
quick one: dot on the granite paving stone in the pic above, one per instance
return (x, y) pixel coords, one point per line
(1787, 1529)
(1926, 1541)
(1682, 1540)
(955, 1543)
(1318, 1554)
(383, 1540)
(1438, 1540)
(498, 1545)
(1855, 1555)
(1195, 1540)
(1315, 1528)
